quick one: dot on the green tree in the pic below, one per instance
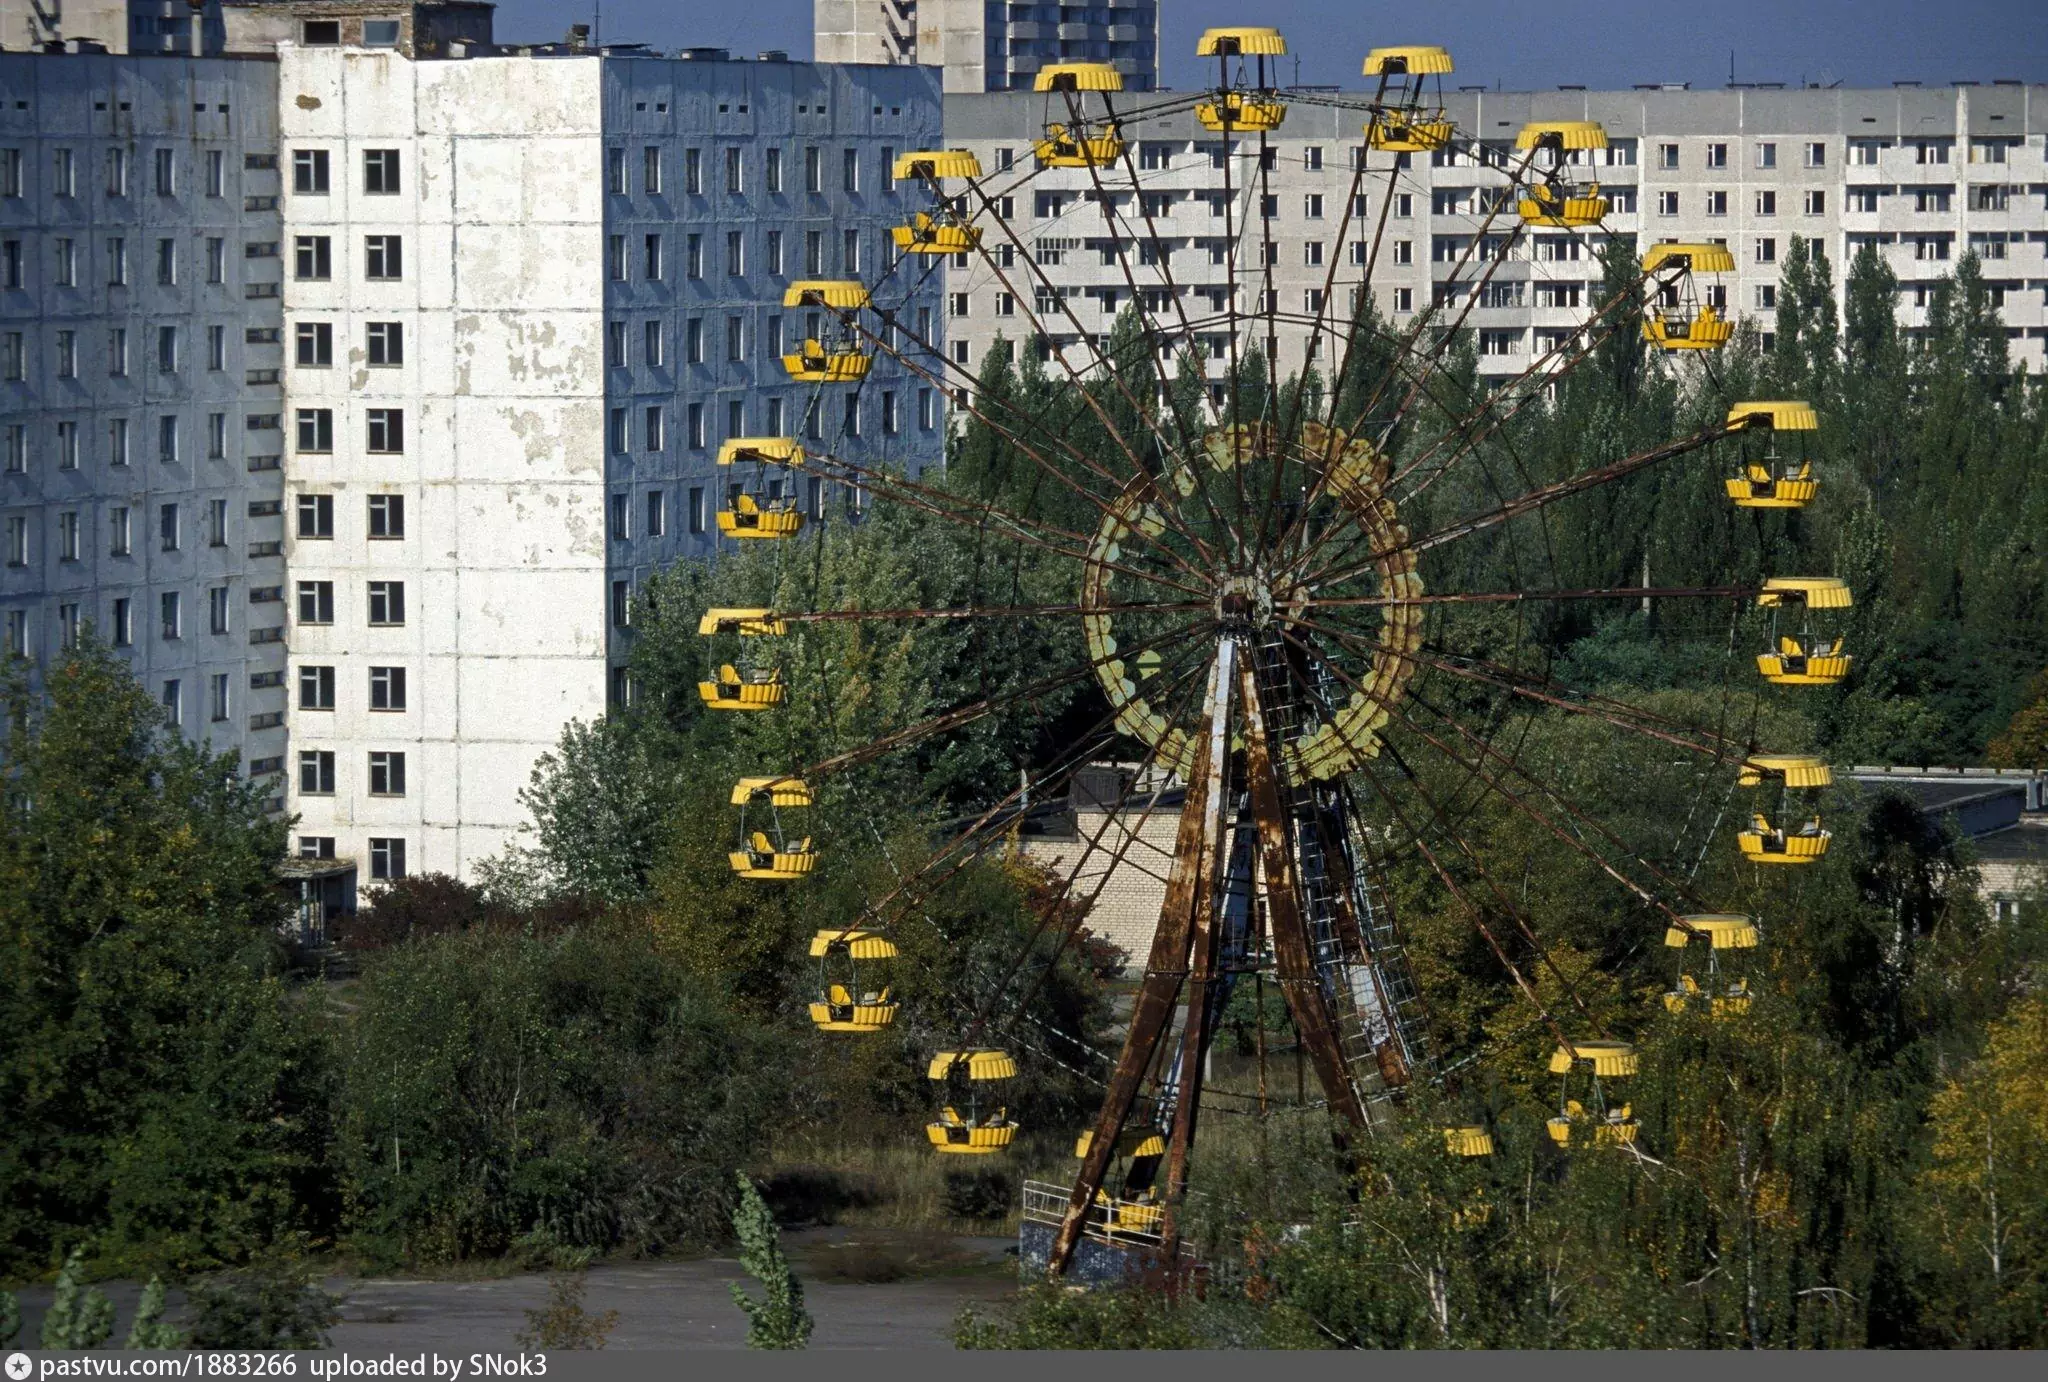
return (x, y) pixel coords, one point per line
(149, 1329)
(778, 1319)
(77, 1318)
(162, 1094)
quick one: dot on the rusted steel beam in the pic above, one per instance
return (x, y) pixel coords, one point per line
(1215, 846)
(1292, 956)
(1165, 970)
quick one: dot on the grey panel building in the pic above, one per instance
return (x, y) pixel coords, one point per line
(140, 439)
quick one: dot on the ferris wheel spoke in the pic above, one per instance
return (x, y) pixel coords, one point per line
(1537, 499)
(1014, 436)
(984, 515)
(968, 714)
(943, 614)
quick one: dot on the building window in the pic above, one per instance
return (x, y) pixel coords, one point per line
(67, 536)
(615, 344)
(1767, 203)
(216, 259)
(615, 258)
(119, 531)
(123, 623)
(17, 540)
(386, 428)
(217, 609)
(387, 604)
(1766, 251)
(1816, 202)
(652, 348)
(387, 858)
(216, 436)
(117, 173)
(117, 441)
(650, 169)
(387, 516)
(316, 846)
(771, 169)
(1717, 203)
(772, 249)
(1766, 154)
(167, 439)
(615, 172)
(316, 772)
(171, 616)
(387, 688)
(890, 423)
(651, 428)
(380, 172)
(380, 33)
(1816, 154)
(385, 344)
(383, 257)
(622, 604)
(167, 527)
(314, 345)
(67, 354)
(1667, 203)
(696, 514)
(693, 341)
(657, 515)
(618, 433)
(735, 180)
(316, 688)
(814, 169)
(693, 417)
(735, 254)
(316, 602)
(927, 410)
(1717, 155)
(309, 172)
(166, 262)
(693, 256)
(316, 430)
(312, 257)
(216, 522)
(316, 516)
(849, 170)
(651, 259)
(693, 172)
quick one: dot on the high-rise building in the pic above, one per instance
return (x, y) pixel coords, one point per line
(140, 442)
(1923, 174)
(992, 45)
(530, 295)
(355, 386)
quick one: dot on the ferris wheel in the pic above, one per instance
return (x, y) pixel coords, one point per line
(1297, 600)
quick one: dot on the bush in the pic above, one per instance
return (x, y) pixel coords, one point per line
(985, 1192)
(274, 1302)
(579, 1090)
(563, 1322)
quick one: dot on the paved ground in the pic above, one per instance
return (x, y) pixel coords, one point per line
(674, 1304)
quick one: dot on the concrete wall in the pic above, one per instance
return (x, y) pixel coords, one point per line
(201, 116)
(501, 215)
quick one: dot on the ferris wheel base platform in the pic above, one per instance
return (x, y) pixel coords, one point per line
(1105, 1256)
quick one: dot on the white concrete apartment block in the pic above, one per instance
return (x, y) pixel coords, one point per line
(496, 450)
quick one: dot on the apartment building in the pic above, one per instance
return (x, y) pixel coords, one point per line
(140, 412)
(354, 387)
(530, 294)
(1925, 174)
(992, 45)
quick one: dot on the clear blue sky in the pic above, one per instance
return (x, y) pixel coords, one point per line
(1514, 43)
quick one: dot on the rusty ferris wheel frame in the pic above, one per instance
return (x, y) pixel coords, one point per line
(1257, 613)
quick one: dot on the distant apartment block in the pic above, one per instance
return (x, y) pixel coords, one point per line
(991, 45)
(141, 441)
(1924, 174)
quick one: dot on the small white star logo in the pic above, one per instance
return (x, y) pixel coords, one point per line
(19, 1366)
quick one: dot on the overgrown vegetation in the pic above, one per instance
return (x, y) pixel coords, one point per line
(581, 1052)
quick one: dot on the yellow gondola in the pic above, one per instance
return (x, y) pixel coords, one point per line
(940, 234)
(1468, 1141)
(812, 363)
(744, 683)
(1237, 110)
(766, 852)
(1558, 201)
(966, 1076)
(1804, 658)
(934, 164)
(839, 294)
(1400, 122)
(1727, 995)
(1097, 149)
(1240, 41)
(1764, 843)
(1678, 319)
(847, 1001)
(1078, 76)
(1596, 1060)
(762, 508)
(1769, 478)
